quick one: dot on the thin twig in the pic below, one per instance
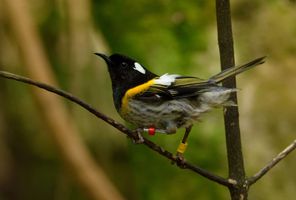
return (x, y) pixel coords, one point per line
(132, 134)
(272, 163)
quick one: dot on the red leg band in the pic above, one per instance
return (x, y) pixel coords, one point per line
(151, 131)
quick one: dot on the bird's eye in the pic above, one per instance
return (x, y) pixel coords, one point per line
(124, 64)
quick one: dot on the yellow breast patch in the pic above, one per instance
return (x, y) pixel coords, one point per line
(134, 91)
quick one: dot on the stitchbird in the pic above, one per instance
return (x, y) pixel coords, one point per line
(165, 103)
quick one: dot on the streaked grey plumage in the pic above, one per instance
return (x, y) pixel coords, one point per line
(170, 115)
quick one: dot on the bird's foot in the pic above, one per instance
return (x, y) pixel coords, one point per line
(180, 160)
(139, 139)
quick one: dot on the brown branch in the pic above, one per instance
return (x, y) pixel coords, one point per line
(272, 163)
(121, 128)
(231, 115)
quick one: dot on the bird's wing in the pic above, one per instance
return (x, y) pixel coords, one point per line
(172, 86)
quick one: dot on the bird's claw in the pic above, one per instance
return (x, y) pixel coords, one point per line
(179, 160)
(139, 139)
(180, 157)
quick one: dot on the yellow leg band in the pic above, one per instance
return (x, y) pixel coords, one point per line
(182, 148)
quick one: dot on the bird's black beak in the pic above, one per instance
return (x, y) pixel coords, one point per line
(105, 57)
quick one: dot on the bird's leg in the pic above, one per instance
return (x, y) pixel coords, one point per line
(182, 146)
(151, 131)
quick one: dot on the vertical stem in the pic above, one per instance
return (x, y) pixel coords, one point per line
(231, 115)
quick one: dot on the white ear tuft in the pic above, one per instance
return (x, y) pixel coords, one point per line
(139, 68)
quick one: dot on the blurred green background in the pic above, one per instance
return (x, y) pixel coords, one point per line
(165, 36)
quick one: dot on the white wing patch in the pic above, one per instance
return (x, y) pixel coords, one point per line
(139, 68)
(166, 79)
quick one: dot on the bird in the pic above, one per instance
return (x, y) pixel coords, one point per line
(167, 102)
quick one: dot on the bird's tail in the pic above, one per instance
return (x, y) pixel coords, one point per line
(232, 71)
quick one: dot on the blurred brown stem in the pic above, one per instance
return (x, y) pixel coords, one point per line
(60, 127)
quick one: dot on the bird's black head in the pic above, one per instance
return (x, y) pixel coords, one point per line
(125, 73)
